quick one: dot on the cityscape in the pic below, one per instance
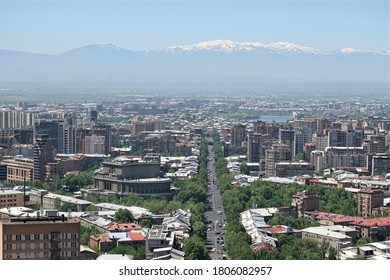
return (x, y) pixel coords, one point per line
(249, 148)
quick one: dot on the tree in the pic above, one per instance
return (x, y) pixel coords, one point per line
(123, 216)
(244, 168)
(362, 241)
(194, 249)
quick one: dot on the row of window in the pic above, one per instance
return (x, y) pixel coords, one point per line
(53, 235)
(37, 255)
(37, 246)
(9, 195)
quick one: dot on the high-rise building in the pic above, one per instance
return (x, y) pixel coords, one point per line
(345, 157)
(10, 119)
(337, 138)
(278, 153)
(255, 149)
(301, 137)
(354, 138)
(286, 136)
(62, 132)
(237, 135)
(43, 154)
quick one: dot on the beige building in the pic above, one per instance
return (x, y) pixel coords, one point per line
(369, 199)
(42, 238)
(11, 198)
(337, 236)
(19, 169)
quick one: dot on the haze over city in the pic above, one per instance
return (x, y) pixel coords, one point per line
(195, 130)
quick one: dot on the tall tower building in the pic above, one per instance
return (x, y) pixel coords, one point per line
(43, 153)
(278, 153)
(255, 147)
(286, 136)
(237, 135)
(62, 132)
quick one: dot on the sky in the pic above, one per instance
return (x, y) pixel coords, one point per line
(55, 27)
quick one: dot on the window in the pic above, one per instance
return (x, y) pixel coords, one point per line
(73, 235)
(46, 236)
(37, 246)
(18, 237)
(28, 246)
(73, 253)
(46, 255)
(37, 255)
(27, 237)
(28, 255)
(9, 237)
(9, 246)
(18, 246)
(46, 245)
(9, 256)
(73, 245)
(36, 236)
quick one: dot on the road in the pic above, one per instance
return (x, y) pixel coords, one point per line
(215, 214)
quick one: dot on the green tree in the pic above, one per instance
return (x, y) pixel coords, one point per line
(194, 249)
(244, 168)
(123, 215)
(362, 241)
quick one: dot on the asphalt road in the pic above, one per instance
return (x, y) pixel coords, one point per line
(215, 214)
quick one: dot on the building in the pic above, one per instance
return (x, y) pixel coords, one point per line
(291, 169)
(345, 157)
(369, 199)
(11, 119)
(317, 158)
(126, 176)
(237, 135)
(43, 153)
(278, 153)
(42, 238)
(337, 138)
(62, 132)
(321, 141)
(380, 164)
(337, 236)
(286, 136)
(254, 147)
(94, 144)
(159, 236)
(52, 201)
(11, 198)
(308, 148)
(305, 201)
(19, 169)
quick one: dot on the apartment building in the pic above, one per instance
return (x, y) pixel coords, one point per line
(48, 237)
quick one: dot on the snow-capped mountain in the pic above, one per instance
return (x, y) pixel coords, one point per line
(228, 46)
(217, 61)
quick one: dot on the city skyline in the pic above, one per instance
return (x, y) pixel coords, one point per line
(57, 27)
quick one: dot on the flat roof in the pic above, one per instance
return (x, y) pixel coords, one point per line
(325, 231)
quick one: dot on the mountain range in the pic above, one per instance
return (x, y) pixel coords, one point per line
(217, 61)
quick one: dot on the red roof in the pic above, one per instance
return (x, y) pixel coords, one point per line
(124, 227)
(136, 236)
(376, 222)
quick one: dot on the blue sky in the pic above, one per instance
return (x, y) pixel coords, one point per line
(55, 27)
